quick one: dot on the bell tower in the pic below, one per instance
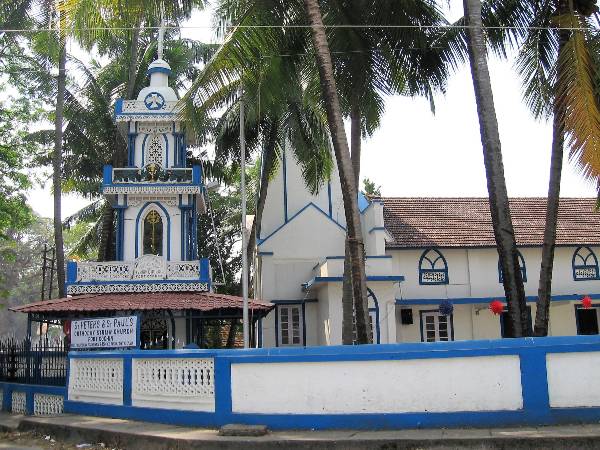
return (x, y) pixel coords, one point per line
(157, 198)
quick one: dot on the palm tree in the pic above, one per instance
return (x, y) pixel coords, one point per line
(558, 63)
(492, 154)
(278, 108)
(346, 171)
(370, 63)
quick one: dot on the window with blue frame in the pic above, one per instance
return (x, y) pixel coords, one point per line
(585, 264)
(433, 268)
(521, 265)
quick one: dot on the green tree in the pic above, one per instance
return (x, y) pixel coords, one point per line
(16, 150)
(370, 188)
(492, 156)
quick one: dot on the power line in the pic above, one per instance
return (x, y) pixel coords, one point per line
(348, 26)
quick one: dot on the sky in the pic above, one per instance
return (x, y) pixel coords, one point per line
(418, 154)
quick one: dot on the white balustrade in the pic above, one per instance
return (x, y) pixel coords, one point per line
(104, 271)
(183, 270)
(147, 267)
(96, 380)
(150, 267)
(174, 383)
(47, 404)
(18, 402)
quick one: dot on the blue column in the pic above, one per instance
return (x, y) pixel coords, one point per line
(127, 375)
(131, 149)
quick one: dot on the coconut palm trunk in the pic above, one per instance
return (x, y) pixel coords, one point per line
(57, 166)
(542, 314)
(492, 154)
(545, 283)
(348, 306)
(342, 154)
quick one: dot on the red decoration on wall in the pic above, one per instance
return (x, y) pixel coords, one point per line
(586, 302)
(67, 327)
(496, 307)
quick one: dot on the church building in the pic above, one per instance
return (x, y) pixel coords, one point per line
(431, 263)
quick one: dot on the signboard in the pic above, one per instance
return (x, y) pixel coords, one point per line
(108, 332)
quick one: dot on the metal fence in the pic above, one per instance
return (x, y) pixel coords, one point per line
(43, 363)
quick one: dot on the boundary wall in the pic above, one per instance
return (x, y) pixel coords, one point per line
(32, 399)
(530, 381)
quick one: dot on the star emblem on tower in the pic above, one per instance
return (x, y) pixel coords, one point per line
(154, 101)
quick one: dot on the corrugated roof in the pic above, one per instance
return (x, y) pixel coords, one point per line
(466, 222)
(199, 301)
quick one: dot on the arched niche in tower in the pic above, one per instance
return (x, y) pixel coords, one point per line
(153, 231)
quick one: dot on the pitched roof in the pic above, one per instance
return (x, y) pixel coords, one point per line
(199, 301)
(466, 222)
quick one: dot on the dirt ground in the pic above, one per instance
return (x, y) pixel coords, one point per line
(30, 440)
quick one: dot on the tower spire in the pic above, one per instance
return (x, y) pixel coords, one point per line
(161, 33)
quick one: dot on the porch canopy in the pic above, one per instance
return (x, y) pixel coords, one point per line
(199, 309)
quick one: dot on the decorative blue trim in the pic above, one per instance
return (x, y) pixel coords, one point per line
(131, 149)
(137, 228)
(158, 70)
(285, 199)
(376, 229)
(329, 201)
(431, 270)
(311, 204)
(522, 266)
(481, 300)
(315, 280)
(265, 253)
(585, 265)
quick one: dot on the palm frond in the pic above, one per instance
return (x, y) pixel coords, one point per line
(577, 98)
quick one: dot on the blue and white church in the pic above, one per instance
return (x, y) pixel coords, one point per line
(157, 273)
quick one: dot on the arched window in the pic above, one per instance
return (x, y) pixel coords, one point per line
(154, 153)
(433, 268)
(521, 265)
(153, 234)
(585, 264)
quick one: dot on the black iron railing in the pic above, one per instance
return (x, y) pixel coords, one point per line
(31, 362)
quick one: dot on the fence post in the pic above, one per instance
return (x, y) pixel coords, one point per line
(127, 379)
(222, 389)
(534, 382)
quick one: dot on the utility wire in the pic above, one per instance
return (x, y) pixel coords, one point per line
(349, 26)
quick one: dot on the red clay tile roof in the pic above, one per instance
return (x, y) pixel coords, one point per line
(466, 222)
(200, 301)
